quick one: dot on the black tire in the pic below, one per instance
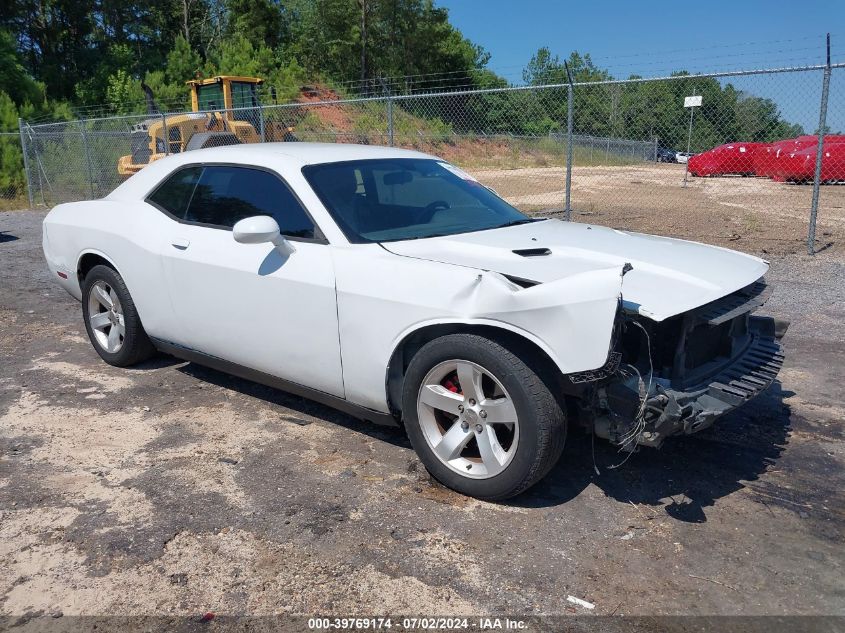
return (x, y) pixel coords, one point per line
(136, 345)
(542, 422)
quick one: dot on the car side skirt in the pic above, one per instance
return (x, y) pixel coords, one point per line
(227, 367)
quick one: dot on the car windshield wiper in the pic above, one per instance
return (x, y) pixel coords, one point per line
(425, 237)
(460, 232)
(517, 222)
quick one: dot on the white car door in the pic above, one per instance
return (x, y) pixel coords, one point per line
(248, 303)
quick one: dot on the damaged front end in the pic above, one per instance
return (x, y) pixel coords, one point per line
(678, 375)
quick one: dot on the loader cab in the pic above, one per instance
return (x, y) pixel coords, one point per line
(226, 93)
(224, 111)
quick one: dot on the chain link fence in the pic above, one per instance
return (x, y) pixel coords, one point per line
(738, 163)
(829, 164)
(13, 189)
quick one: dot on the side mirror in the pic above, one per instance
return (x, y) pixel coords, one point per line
(260, 229)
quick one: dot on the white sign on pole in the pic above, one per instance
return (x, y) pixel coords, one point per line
(692, 102)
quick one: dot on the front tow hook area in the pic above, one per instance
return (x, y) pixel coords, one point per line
(671, 410)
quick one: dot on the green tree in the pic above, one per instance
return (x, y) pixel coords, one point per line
(262, 22)
(12, 180)
(54, 38)
(123, 93)
(116, 59)
(14, 80)
(183, 62)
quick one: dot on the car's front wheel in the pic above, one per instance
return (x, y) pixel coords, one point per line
(481, 420)
(112, 320)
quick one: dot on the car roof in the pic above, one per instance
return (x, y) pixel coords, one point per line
(303, 153)
(279, 156)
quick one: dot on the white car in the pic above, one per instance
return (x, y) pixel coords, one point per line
(392, 285)
(683, 157)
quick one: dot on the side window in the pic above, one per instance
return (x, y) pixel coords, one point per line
(226, 194)
(174, 194)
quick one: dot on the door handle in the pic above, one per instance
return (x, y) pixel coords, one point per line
(181, 244)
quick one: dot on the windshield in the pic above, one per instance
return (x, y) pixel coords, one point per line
(385, 200)
(210, 97)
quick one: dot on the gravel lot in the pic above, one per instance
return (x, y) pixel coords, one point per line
(756, 215)
(173, 489)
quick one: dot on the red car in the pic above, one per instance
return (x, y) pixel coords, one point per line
(731, 158)
(772, 162)
(800, 165)
(766, 158)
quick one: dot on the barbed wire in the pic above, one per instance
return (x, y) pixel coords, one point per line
(501, 70)
(513, 76)
(732, 45)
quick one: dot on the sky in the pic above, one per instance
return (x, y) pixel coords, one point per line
(653, 39)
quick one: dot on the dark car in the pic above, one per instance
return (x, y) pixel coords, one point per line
(666, 155)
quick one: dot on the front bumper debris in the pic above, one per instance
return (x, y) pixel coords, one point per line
(669, 411)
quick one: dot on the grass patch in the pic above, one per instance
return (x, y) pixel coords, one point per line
(16, 203)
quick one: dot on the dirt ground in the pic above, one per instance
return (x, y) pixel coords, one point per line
(174, 489)
(756, 215)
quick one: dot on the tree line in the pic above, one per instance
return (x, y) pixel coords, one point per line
(60, 57)
(83, 52)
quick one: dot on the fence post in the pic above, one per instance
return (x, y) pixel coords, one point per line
(817, 176)
(25, 151)
(388, 97)
(261, 122)
(689, 140)
(390, 119)
(570, 96)
(87, 157)
(165, 133)
(39, 169)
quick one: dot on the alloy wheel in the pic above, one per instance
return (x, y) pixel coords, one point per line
(468, 419)
(105, 314)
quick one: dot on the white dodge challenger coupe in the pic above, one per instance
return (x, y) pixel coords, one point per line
(392, 285)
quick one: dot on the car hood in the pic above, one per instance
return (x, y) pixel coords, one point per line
(669, 276)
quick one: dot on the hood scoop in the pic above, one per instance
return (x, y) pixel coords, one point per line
(532, 252)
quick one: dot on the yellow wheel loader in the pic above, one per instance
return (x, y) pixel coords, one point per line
(224, 111)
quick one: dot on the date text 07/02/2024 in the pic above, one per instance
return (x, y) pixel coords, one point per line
(416, 623)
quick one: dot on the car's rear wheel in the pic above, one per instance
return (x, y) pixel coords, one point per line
(481, 420)
(111, 319)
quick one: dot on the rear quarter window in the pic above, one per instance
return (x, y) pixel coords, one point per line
(174, 194)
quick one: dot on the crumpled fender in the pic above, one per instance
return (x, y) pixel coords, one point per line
(572, 316)
(571, 319)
